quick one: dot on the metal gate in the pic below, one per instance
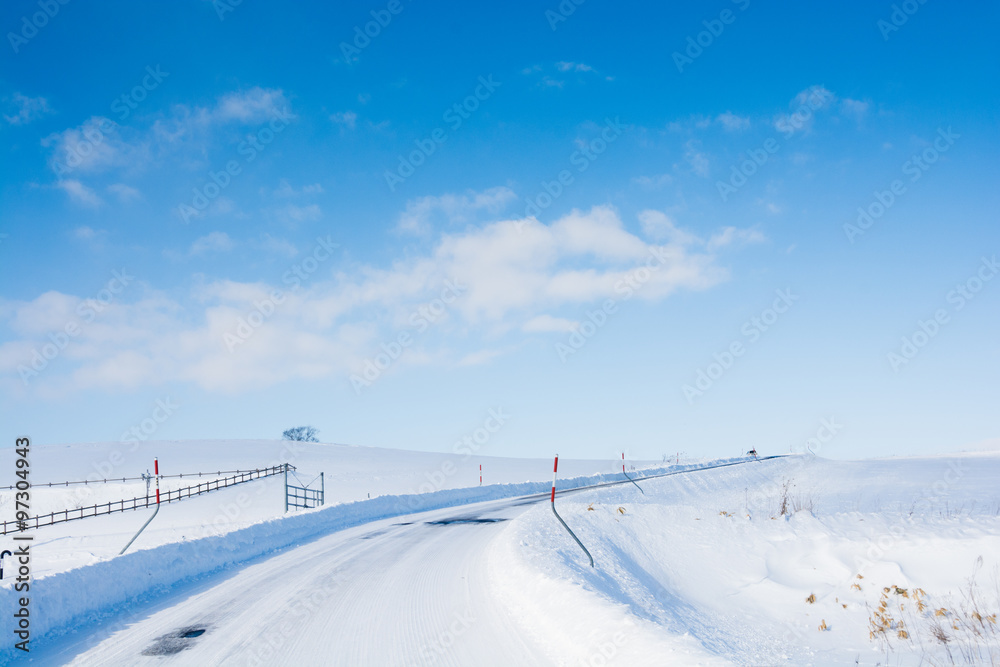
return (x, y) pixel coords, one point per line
(304, 496)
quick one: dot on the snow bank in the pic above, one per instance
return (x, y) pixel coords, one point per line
(109, 587)
(704, 568)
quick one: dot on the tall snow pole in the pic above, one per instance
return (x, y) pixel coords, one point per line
(480, 474)
(156, 471)
(555, 469)
(629, 478)
(286, 488)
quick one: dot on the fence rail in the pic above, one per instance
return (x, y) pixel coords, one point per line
(36, 485)
(141, 502)
(302, 497)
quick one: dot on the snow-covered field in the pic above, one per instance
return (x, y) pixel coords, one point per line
(790, 561)
(705, 569)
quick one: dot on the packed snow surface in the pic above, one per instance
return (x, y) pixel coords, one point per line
(789, 561)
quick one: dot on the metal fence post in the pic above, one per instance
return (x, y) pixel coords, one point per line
(286, 488)
(322, 490)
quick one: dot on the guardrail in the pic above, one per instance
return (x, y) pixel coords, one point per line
(141, 502)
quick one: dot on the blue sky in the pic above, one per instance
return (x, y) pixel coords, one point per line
(630, 227)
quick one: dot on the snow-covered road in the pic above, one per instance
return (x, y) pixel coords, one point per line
(409, 591)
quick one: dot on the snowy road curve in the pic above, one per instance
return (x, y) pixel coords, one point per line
(406, 591)
(409, 590)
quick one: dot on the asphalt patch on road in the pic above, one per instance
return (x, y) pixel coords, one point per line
(175, 642)
(462, 519)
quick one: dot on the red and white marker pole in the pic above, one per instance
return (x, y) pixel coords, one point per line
(623, 461)
(480, 474)
(156, 471)
(555, 469)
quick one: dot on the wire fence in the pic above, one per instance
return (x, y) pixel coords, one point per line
(146, 501)
(129, 479)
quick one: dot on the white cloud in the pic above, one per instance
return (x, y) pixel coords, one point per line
(346, 119)
(420, 213)
(732, 235)
(293, 215)
(100, 144)
(696, 159)
(84, 233)
(658, 226)
(277, 246)
(285, 189)
(25, 109)
(213, 242)
(547, 323)
(565, 66)
(732, 122)
(479, 358)
(250, 107)
(857, 109)
(654, 182)
(512, 274)
(79, 193)
(124, 192)
(804, 107)
(96, 145)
